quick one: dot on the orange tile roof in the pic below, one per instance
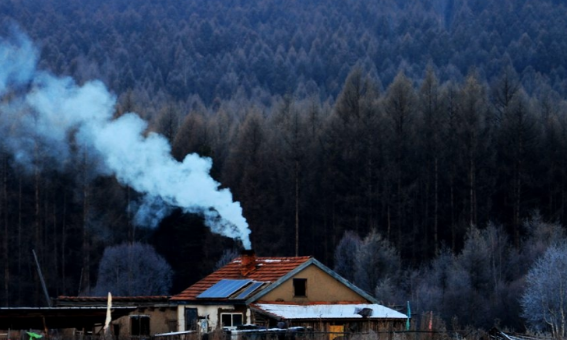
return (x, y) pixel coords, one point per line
(267, 269)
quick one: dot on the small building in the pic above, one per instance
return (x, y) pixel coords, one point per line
(281, 292)
(56, 322)
(147, 315)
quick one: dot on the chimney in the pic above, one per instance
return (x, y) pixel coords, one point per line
(248, 263)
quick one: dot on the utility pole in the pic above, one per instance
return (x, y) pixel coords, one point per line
(41, 279)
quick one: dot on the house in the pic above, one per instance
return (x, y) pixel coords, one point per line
(281, 292)
(268, 292)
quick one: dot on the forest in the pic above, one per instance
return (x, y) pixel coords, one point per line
(417, 147)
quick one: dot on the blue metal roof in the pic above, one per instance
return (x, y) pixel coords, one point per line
(249, 290)
(223, 289)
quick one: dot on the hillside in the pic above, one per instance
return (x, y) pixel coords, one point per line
(420, 147)
(257, 49)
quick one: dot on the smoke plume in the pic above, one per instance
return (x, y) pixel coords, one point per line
(39, 108)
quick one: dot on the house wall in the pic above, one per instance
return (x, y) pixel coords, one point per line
(320, 287)
(212, 313)
(350, 326)
(162, 320)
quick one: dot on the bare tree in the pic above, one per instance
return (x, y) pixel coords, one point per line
(399, 107)
(292, 147)
(544, 302)
(431, 129)
(133, 270)
(344, 259)
(540, 236)
(352, 141)
(472, 109)
(518, 134)
(167, 122)
(376, 261)
(191, 136)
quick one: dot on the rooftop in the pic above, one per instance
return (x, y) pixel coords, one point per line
(326, 311)
(267, 269)
(56, 317)
(62, 301)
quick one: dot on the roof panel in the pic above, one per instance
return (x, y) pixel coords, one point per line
(249, 290)
(328, 311)
(223, 289)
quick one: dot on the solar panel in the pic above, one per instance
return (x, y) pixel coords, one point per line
(249, 290)
(224, 288)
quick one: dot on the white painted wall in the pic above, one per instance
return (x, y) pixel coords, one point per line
(212, 311)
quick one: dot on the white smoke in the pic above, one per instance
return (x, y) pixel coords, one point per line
(38, 107)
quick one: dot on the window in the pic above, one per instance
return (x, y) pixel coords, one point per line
(300, 287)
(139, 325)
(231, 319)
(191, 316)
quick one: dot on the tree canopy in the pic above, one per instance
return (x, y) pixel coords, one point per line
(132, 270)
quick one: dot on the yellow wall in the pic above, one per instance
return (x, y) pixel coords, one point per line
(161, 320)
(320, 287)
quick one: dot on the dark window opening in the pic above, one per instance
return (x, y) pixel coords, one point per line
(231, 320)
(191, 317)
(116, 328)
(300, 287)
(139, 325)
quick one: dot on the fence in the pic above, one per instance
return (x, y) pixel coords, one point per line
(311, 335)
(283, 335)
(245, 335)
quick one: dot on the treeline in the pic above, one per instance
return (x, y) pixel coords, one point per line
(450, 191)
(258, 49)
(418, 163)
(487, 283)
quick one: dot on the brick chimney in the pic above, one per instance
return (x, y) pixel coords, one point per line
(248, 263)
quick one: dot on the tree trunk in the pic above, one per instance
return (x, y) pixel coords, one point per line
(389, 223)
(85, 284)
(453, 226)
(131, 226)
(436, 207)
(37, 233)
(471, 191)
(55, 251)
(296, 207)
(19, 244)
(4, 213)
(86, 242)
(426, 212)
(369, 201)
(64, 245)
(517, 202)
(86, 279)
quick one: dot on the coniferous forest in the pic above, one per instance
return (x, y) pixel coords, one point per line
(417, 147)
